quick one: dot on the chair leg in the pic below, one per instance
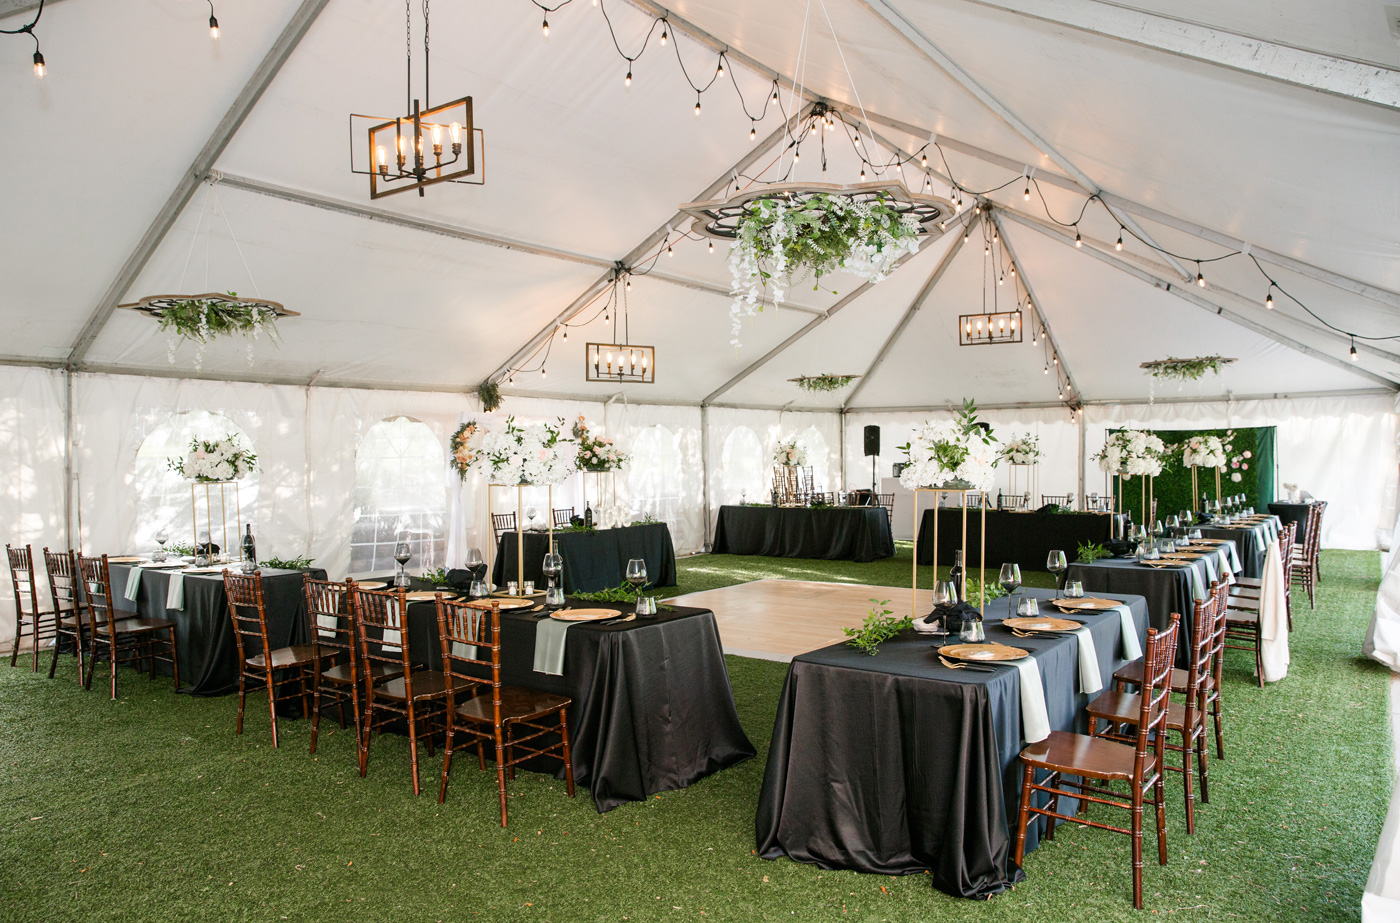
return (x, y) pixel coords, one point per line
(38, 626)
(501, 775)
(1025, 815)
(364, 738)
(272, 705)
(242, 699)
(19, 636)
(1188, 738)
(316, 711)
(1159, 795)
(112, 649)
(1137, 844)
(1203, 760)
(446, 762)
(568, 760)
(174, 659)
(413, 744)
(53, 662)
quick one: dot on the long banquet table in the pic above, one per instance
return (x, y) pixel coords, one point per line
(1024, 538)
(595, 559)
(207, 648)
(895, 764)
(852, 533)
(652, 706)
(1251, 540)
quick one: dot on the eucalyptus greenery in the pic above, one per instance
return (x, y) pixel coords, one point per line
(878, 627)
(200, 320)
(972, 584)
(301, 563)
(180, 549)
(617, 594)
(1185, 369)
(823, 382)
(1089, 552)
(437, 576)
(490, 395)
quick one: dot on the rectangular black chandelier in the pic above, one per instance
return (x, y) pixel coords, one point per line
(620, 362)
(989, 329)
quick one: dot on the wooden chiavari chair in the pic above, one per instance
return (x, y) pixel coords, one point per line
(1119, 710)
(419, 697)
(502, 523)
(27, 611)
(258, 660)
(1013, 501)
(516, 721)
(1244, 627)
(1251, 586)
(124, 639)
(1065, 500)
(1301, 564)
(65, 587)
(1104, 761)
(563, 518)
(335, 654)
(887, 501)
(1321, 506)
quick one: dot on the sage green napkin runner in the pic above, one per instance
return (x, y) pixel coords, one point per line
(133, 584)
(549, 645)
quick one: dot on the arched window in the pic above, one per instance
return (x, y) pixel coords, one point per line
(818, 458)
(654, 476)
(162, 497)
(743, 468)
(400, 489)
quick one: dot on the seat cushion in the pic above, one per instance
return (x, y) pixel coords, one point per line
(1081, 755)
(298, 655)
(427, 684)
(517, 704)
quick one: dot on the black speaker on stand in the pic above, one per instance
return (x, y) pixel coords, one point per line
(872, 451)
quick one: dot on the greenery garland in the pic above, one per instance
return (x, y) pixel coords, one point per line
(489, 393)
(300, 563)
(1185, 369)
(878, 627)
(200, 320)
(823, 382)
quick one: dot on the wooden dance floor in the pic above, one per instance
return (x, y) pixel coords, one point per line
(779, 619)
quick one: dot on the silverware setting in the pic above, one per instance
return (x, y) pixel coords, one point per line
(963, 666)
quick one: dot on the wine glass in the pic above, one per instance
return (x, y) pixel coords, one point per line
(530, 513)
(1010, 580)
(161, 538)
(402, 553)
(552, 567)
(1055, 563)
(475, 564)
(637, 576)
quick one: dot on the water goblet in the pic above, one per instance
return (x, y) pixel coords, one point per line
(403, 552)
(637, 576)
(1074, 589)
(1055, 563)
(1028, 607)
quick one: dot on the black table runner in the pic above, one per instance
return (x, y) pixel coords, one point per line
(852, 533)
(652, 707)
(593, 560)
(1012, 537)
(205, 642)
(894, 764)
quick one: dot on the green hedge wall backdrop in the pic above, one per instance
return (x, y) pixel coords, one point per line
(1258, 472)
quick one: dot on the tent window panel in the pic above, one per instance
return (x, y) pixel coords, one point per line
(400, 489)
(654, 476)
(743, 468)
(163, 497)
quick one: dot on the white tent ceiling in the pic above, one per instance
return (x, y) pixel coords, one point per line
(441, 292)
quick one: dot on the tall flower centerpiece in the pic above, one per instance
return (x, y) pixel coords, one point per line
(955, 454)
(1133, 453)
(1021, 452)
(596, 453)
(1202, 452)
(790, 454)
(214, 461)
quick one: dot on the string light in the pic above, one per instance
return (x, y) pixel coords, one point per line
(923, 161)
(1200, 279)
(40, 68)
(697, 104)
(712, 246)
(1119, 244)
(627, 81)
(213, 23)
(546, 27)
(1078, 241)
(1353, 349)
(663, 35)
(1027, 195)
(669, 251)
(719, 71)
(753, 131)
(1269, 299)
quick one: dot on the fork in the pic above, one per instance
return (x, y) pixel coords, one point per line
(963, 666)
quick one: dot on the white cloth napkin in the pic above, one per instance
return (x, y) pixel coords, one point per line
(1132, 647)
(1090, 680)
(175, 594)
(133, 583)
(1035, 720)
(1273, 618)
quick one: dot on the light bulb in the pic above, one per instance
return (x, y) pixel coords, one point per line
(629, 284)
(1119, 245)
(987, 250)
(959, 206)
(40, 69)
(797, 155)
(942, 225)
(669, 251)
(753, 132)
(977, 209)
(812, 130)
(213, 28)
(1028, 192)
(964, 236)
(1078, 241)
(775, 94)
(1353, 349)
(697, 106)
(857, 139)
(712, 246)
(644, 362)
(1001, 280)
(379, 155)
(1013, 323)
(1046, 370)
(456, 129)
(627, 81)
(923, 160)
(1200, 279)
(437, 136)
(719, 71)
(546, 27)
(1269, 301)
(1056, 360)
(899, 168)
(1013, 270)
(543, 371)
(995, 237)
(928, 184)
(862, 174)
(663, 36)
(566, 334)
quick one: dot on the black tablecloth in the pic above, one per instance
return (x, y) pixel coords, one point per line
(1012, 537)
(894, 764)
(1167, 590)
(1292, 512)
(652, 707)
(1247, 543)
(850, 533)
(205, 642)
(593, 560)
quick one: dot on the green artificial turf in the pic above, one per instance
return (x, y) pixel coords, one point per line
(150, 808)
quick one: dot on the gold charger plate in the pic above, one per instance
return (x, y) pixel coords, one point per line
(127, 559)
(1041, 623)
(982, 653)
(372, 585)
(418, 596)
(1086, 603)
(1165, 562)
(584, 615)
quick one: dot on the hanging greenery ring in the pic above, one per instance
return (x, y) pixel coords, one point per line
(1185, 369)
(202, 318)
(823, 382)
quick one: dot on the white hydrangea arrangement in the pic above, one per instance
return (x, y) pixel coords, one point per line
(1132, 452)
(534, 454)
(957, 451)
(211, 461)
(790, 454)
(782, 240)
(1203, 452)
(1024, 450)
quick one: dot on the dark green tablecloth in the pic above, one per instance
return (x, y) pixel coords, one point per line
(593, 560)
(1167, 590)
(206, 645)
(1012, 537)
(1292, 512)
(851, 533)
(1247, 542)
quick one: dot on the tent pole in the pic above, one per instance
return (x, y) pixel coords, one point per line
(68, 457)
(705, 473)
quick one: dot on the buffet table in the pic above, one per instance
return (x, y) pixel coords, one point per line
(1012, 537)
(595, 559)
(652, 708)
(850, 533)
(206, 645)
(897, 765)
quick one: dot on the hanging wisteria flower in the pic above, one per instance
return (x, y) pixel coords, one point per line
(1021, 451)
(534, 454)
(951, 451)
(596, 453)
(213, 461)
(789, 454)
(781, 240)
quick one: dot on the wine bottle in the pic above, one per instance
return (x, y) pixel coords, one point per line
(250, 547)
(587, 516)
(956, 575)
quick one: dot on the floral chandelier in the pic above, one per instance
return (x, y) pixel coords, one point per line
(723, 218)
(428, 145)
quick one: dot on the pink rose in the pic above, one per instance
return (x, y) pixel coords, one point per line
(1245, 466)
(1248, 454)
(1234, 464)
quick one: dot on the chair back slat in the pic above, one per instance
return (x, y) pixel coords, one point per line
(332, 627)
(22, 579)
(502, 523)
(1156, 687)
(97, 591)
(381, 625)
(62, 568)
(563, 517)
(470, 634)
(248, 610)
